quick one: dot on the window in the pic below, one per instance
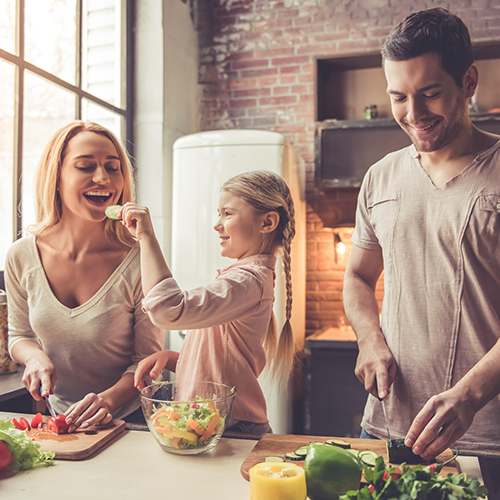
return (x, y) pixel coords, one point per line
(60, 60)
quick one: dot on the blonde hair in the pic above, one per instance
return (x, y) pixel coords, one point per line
(48, 208)
(266, 191)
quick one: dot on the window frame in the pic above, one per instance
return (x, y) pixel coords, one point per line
(21, 66)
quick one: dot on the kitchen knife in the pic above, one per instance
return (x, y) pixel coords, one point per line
(49, 406)
(385, 416)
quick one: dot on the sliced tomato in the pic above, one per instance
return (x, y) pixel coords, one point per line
(22, 424)
(5, 456)
(58, 424)
(37, 421)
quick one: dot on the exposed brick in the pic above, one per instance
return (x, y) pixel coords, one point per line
(244, 64)
(281, 61)
(256, 73)
(277, 100)
(242, 103)
(252, 92)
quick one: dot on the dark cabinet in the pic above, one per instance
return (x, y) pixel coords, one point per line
(334, 398)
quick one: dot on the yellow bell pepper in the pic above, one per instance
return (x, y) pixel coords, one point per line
(277, 481)
(172, 432)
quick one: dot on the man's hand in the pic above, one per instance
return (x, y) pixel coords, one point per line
(376, 368)
(443, 420)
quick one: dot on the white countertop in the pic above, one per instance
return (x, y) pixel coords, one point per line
(134, 468)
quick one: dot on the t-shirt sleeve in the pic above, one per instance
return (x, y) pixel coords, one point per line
(17, 298)
(364, 234)
(148, 338)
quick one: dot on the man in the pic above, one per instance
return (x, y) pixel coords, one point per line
(429, 216)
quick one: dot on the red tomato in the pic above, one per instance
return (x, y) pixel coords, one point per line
(195, 406)
(37, 421)
(22, 424)
(58, 424)
(5, 456)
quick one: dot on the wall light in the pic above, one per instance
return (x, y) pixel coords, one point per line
(341, 243)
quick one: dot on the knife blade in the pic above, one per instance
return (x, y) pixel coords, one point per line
(49, 406)
(386, 420)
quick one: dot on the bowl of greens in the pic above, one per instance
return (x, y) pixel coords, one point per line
(187, 418)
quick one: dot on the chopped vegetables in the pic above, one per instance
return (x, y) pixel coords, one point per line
(58, 424)
(183, 425)
(415, 482)
(26, 454)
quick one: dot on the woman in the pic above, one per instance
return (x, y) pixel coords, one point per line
(73, 284)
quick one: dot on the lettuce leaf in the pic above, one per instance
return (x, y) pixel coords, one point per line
(26, 454)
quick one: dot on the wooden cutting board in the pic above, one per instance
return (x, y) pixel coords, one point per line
(81, 444)
(276, 445)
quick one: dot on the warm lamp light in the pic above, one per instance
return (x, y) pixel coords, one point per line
(341, 242)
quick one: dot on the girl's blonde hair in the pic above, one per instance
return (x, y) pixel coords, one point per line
(48, 208)
(265, 192)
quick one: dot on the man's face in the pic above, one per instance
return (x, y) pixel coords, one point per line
(426, 102)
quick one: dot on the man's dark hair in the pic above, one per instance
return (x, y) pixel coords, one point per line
(434, 30)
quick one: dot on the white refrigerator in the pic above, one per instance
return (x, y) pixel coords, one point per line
(202, 162)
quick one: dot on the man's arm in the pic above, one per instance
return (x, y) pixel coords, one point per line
(375, 366)
(446, 417)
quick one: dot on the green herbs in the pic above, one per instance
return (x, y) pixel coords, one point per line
(415, 483)
(26, 454)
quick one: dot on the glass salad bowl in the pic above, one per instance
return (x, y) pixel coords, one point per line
(187, 418)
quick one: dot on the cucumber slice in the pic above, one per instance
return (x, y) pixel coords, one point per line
(294, 457)
(301, 452)
(338, 442)
(368, 457)
(273, 459)
(112, 212)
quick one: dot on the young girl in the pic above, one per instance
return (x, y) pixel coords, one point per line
(231, 322)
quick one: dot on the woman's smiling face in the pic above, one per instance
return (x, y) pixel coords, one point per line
(91, 176)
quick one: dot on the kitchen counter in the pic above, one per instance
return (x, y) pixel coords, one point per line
(134, 467)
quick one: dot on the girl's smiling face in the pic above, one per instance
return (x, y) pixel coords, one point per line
(238, 227)
(91, 176)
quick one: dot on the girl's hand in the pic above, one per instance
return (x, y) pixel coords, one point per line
(91, 410)
(137, 220)
(39, 375)
(153, 365)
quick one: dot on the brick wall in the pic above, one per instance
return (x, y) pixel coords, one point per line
(257, 71)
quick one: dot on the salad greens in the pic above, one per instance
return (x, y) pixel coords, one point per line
(415, 483)
(26, 454)
(186, 425)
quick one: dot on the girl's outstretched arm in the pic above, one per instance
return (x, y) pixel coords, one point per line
(153, 266)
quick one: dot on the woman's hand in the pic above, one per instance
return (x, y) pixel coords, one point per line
(153, 365)
(39, 375)
(91, 410)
